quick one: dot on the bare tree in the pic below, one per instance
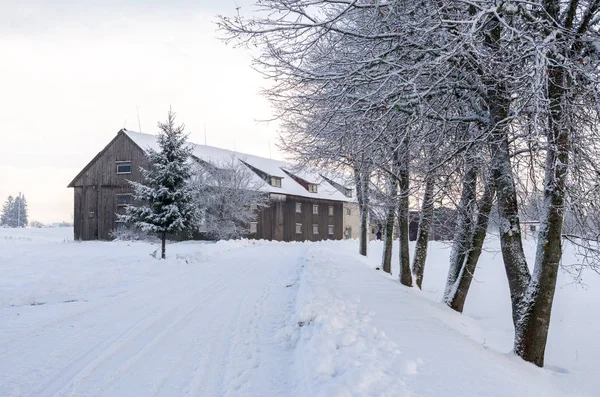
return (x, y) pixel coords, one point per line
(228, 198)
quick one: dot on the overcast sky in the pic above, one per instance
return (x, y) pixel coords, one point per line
(73, 72)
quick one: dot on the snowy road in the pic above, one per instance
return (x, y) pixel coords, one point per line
(209, 330)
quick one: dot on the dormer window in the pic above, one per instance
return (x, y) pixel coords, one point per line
(275, 181)
(123, 167)
(348, 193)
(312, 187)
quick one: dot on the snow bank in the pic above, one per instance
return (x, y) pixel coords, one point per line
(572, 351)
(341, 352)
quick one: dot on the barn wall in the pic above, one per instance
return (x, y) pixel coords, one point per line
(103, 171)
(278, 221)
(78, 213)
(96, 188)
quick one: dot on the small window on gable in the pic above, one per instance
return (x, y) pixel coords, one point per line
(315, 228)
(275, 181)
(348, 211)
(348, 193)
(298, 228)
(331, 210)
(315, 209)
(312, 187)
(253, 227)
(124, 199)
(299, 208)
(123, 167)
(330, 229)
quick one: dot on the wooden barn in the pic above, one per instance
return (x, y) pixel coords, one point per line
(303, 205)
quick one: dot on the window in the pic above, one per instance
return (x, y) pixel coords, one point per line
(315, 209)
(124, 199)
(330, 229)
(299, 208)
(123, 167)
(253, 227)
(315, 228)
(331, 210)
(275, 181)
(348, 193)
(348, 211)
(298, 228)
(532, 228)
(312, 187)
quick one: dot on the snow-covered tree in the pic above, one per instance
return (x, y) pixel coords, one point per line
(20, 211)
(14, 212)
(164, 200)
(6, 219)
(521, 77)
(227, 198)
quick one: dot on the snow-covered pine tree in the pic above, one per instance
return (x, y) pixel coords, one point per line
(7, 211)
(165, 196)
(20, 211)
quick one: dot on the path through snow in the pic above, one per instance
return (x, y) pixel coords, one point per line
(208, 330)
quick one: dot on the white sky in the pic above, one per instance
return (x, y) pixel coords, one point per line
(73, 72)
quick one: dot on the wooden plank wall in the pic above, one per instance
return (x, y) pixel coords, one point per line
(78, 213)
(96, 189)
(103, 172)
(278, 222)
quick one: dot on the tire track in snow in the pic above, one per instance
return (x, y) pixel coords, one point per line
(137, 317)
(154, 323)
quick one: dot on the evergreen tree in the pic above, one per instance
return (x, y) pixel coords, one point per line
(165, 196)
(19, 211)
(7, 212)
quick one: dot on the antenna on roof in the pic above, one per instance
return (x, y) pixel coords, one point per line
(138, 115)
(205, 134)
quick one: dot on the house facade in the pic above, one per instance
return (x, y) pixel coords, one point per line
(304, 205)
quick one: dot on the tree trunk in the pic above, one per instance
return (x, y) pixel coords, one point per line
(163, 254)
(362, 197)
(464, 225)
(386, 260)
(511, 245)
(531, 331)
(463, 281)
(498, 101)
(403, 213)
(421, 244)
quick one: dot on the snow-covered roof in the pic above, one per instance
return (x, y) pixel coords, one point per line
(275, 168)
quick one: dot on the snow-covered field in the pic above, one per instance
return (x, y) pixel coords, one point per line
(250, 318)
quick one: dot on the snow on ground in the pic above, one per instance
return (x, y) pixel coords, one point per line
(248, 318)
(573, 349)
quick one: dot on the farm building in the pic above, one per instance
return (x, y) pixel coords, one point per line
(304, 205)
